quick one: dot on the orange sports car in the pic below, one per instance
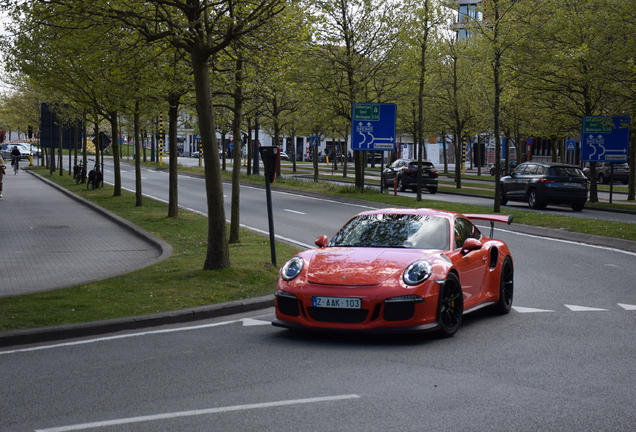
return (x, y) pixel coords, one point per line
(397, 270)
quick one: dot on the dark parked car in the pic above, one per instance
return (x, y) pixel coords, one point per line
(604, 171)
(512, 163)
(404, 171)
(543, 183)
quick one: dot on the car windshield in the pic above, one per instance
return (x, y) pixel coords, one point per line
(563, 171)
(394, 231)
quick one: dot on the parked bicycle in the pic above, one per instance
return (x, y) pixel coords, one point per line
(79, 173)
(95, 178)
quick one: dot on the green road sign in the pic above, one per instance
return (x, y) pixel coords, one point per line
(597, 124)
(366, 112)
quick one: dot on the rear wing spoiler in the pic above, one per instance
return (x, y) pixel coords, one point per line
(492, 218)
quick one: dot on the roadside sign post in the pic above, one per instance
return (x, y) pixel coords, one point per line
(373, 128)
(270, 156)
(605, 139)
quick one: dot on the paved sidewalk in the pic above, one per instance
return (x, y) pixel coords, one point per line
(52, 239)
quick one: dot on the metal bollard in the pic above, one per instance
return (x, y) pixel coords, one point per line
(395, 187)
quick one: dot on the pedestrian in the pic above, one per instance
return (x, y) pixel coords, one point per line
(3, 169)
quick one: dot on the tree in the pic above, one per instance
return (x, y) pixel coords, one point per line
(356, 39)
(426, 17)
(201, 29)
(498, 33)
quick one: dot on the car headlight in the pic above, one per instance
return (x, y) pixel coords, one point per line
(417, 272)
(292, 268)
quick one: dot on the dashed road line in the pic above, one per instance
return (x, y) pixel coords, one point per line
(166, 416)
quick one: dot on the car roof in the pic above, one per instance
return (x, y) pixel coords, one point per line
(412, 211)
(415, 160)
(550, 164)
(503, 218)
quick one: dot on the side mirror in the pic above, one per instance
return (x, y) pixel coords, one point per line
(322, 241)
(471, 244)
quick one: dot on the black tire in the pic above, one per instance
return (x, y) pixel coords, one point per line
(432, 190)
(451, 306)
(400, 185)
(492, 171)
(503, 199)
(578, 207)
(533, 200)
(506, 288)
(90, 185)
(601, 179)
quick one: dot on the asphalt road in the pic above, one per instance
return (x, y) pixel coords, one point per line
(562, 360)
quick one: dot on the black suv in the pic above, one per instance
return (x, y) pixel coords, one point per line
(543, 183)
(404, 172)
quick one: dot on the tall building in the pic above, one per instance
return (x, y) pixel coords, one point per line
(467, 11)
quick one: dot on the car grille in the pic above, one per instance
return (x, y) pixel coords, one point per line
(338, 315)
(399, 311)
(288, 306)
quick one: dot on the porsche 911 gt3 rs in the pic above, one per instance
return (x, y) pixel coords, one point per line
(397, 270)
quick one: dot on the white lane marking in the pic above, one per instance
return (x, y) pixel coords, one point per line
(563, 241)
(199, 412)
(248, 322)
(627, 306)
(317, 199)
(129, 335)
(575, 308)
(294, 211)
(256, 230)
(529, 310)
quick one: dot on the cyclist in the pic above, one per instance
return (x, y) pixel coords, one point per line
(15, 158)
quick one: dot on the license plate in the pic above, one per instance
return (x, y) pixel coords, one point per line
(337, 302)
(571, 184)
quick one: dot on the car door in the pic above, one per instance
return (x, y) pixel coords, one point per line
(389, 173)
(530, 175)
(514, 184)
(471, 265)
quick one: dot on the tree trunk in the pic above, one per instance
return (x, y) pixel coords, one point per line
(217, 256)
(59, 154)
(114, 127)
(235, 217)
(138, 192)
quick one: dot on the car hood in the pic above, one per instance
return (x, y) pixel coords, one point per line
(360, 266)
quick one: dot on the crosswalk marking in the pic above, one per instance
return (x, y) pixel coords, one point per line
(521, 309)
(248, 322)
(575, 308)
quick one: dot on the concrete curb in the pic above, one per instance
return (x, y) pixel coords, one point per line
(54, 333)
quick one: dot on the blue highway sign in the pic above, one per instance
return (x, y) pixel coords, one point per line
(373, 126)
(605, 139)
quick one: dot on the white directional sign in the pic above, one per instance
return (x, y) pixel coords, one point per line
(373, 126)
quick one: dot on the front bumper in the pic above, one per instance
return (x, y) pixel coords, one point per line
(380, 311)
(424, 328)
